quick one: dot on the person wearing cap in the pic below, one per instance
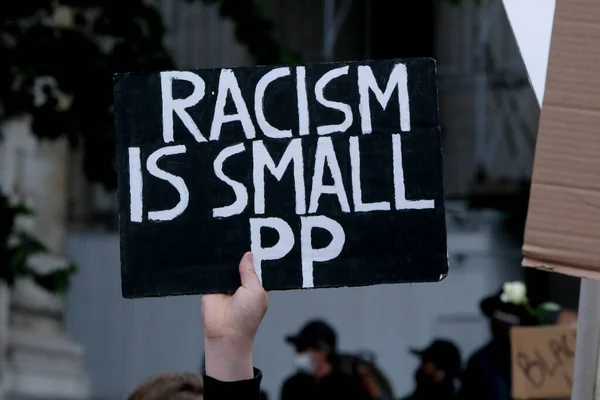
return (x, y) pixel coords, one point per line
(318, 375)
(488, 372)
(439, 369)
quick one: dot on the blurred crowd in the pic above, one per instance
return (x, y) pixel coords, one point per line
(322, 372)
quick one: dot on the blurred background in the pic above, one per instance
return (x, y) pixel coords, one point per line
(65, 330)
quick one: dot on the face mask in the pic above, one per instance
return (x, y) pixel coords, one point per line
(304, 363)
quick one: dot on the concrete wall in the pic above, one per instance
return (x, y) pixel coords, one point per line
(129, 340)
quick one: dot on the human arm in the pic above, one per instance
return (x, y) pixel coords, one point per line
(230, 325)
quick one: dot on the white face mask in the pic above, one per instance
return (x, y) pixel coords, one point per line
(304, 363)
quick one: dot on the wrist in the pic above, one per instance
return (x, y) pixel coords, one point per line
(228, 359)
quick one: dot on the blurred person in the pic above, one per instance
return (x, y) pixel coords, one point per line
(373, 380)
(488, 373)
(319, 374)
(438, 372)
(172, 386)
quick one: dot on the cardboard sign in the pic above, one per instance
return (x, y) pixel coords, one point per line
(331, 174)
(542, 361)
(563, 221)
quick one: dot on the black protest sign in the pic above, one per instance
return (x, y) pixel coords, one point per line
(331, 174)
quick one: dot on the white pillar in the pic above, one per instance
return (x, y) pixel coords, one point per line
(38, 361)
(585, 375)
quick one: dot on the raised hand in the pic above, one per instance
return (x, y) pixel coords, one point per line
(230, 324)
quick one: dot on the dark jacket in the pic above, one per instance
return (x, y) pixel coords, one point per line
(488, 374)
(336, 385)
(443, 391)
(240, 390)
(417, 396)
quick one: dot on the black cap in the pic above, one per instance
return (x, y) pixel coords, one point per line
(316, 334)
(443, 354)
(509, 314)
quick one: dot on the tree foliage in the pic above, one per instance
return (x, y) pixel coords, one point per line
(57, 60)
(17, 246)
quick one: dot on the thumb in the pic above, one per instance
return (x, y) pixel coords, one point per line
(247, 272)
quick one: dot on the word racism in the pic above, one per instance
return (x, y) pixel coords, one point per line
(329, 173)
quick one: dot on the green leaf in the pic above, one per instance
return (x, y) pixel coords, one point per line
(13, 257)
(548, 307)
(57, 281)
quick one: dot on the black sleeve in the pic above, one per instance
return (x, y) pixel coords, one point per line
(285, 391)
(239, 390)
(472, 383)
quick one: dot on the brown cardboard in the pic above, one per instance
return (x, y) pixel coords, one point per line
(542, 361)
(567, 317)
(563, 224)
